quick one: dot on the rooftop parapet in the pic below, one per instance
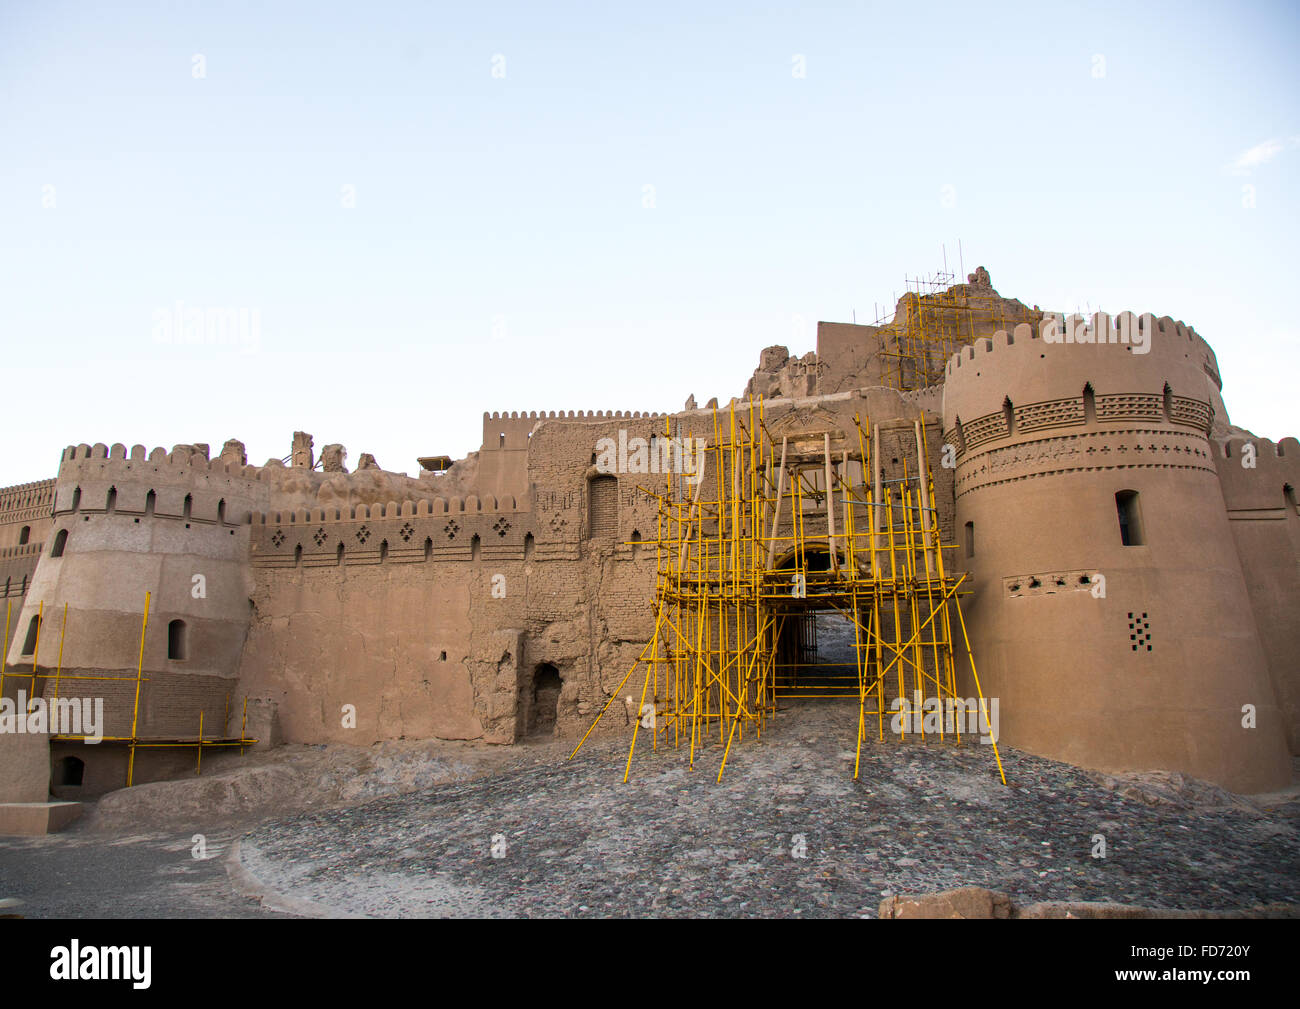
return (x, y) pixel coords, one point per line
(1255, 472)
(180, 461)
(1030, 365)
(181, 483)
(509, 430)
(22, 497)
(570, 415)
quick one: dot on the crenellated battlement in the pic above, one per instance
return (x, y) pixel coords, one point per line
(571, 415)
(1138, 334)
(509, 431)
(180, 484)
(179, 458)
(1028, 377)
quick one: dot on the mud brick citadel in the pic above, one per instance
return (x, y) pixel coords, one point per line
(1126, 563)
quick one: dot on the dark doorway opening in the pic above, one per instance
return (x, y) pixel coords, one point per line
(69, 771)
(545, 700)
(816, 657)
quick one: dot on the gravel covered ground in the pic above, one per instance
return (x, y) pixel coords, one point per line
(571, 839)
(574, 840)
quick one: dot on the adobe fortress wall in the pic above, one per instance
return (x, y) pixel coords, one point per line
(432, 617)
(460, 604)
(1261, 482)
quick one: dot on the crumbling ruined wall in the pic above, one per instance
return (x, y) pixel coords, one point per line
(893, 354)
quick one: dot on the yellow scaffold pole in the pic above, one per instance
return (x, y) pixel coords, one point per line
(979, 690)
(135, 711)
(4, 654)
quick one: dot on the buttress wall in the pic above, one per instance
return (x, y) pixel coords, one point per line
(1260, 483)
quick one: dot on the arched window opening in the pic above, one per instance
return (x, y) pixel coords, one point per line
(383, 551)
(428, 548)
(1169, 403)
(1288, 494)
(970, 539)
(636, 543)
(150, 500)
(338, 555)
(475, 548)
(24, 534)
(33, 633)
(221, 510)
(1089, 404)
(60, 541)
(189, 506)
(177, 640)
(76, 498)
(528, 546)
(503, 440)
(110, 505)
(297, 556)
(1130, 520)
(1009, 415)
(70, 771)
(602, 507)
(544, 700)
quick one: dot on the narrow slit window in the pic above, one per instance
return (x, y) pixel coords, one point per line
(1130, 519)
(33, 635)
(177, 643)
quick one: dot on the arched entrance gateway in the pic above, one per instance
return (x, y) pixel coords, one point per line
(816, 657)
(802, 531)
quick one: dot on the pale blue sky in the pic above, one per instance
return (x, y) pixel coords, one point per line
(499, 255)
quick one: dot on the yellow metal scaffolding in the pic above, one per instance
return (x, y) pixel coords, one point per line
(777, 528)
(933, 320)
